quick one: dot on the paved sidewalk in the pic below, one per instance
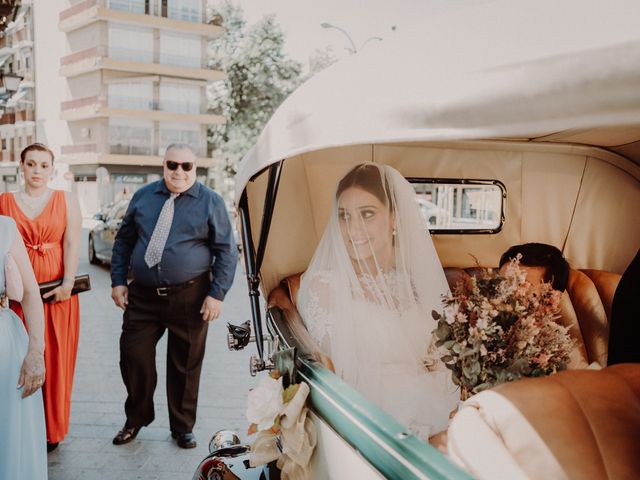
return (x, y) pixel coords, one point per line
(98, 395)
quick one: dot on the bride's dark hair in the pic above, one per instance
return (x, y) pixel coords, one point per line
(367, 177)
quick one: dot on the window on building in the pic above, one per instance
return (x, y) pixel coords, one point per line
(137, 96)
(131, 44)
(187, 10)
(133, 6)
(191, 134)
(180, 50)
(4, 144)
(129, 136)
(180, 98)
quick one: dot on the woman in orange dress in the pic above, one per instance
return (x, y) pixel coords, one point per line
(50, 222)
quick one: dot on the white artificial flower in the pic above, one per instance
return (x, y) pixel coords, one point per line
(265, 402)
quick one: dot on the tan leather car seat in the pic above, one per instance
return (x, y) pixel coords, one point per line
(575, 424)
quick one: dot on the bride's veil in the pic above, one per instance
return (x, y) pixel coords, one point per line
(390, 272)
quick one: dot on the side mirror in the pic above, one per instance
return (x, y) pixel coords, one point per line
(99, 216)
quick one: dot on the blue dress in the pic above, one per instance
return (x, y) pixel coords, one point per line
(23, 449)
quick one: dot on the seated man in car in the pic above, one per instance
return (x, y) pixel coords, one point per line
(545, 263)
(541, 262)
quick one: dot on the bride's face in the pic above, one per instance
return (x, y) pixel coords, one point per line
(366, 226)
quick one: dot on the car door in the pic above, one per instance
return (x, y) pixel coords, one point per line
(113, 225)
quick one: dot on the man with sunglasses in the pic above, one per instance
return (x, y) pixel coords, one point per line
(177, 237)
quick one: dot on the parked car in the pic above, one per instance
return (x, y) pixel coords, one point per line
(553, 118)
(102, 236)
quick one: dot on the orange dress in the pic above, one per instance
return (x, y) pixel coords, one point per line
(44, 237)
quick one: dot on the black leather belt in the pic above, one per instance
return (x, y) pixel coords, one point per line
(170, 289)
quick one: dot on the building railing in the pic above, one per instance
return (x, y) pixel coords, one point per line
(181, 60)
(25, 115)
(129, 54)
(8, 118)
(82, 148)
(133, 55)
(133, 6)
(79, 103)
(7, 156)
(81, 55)
(136, 6)
(136, 103)
(122, 149)
(177, 106)
(77, 8)
(185, 14)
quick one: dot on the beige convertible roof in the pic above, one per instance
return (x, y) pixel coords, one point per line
(546, 71)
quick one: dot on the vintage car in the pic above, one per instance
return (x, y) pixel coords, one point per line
(534, 105)
(103, 234)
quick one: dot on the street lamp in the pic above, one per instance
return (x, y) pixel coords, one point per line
(353, 48)
(10, 81)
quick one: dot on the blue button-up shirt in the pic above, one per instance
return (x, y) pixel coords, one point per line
(200, 239)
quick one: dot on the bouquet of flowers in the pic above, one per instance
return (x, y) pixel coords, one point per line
(285, 433)
(498, 327)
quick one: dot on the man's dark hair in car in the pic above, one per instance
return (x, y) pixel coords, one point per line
(541, 255)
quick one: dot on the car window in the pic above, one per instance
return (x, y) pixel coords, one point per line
(120, 213)
(118, 210)
(460, 205)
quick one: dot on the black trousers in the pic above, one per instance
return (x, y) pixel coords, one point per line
(146, 318)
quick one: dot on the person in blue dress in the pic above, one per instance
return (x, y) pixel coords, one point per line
(23, 443)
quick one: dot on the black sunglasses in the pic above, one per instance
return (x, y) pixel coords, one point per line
(186, 166)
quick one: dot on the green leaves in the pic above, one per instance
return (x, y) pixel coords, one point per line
(259, 78)
(290, 392)
(443, 332)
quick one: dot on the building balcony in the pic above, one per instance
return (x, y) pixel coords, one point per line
(8, 118)
(6, 156)
(178, 20)
(135, 61)
(132, 107)
(81, 148)
(25, 115)
(137, 160)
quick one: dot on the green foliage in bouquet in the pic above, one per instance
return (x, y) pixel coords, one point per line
(498, 327)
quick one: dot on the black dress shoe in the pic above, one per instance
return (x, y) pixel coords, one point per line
(185, 440)
(126, 435)
(52, 446)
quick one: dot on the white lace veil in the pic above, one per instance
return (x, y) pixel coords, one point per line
(391, 268)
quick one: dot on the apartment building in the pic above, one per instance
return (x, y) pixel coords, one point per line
(17, 122)
(136, 73)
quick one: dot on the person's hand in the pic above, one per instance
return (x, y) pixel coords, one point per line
(61, 293)
(120, 296)
(439, 441)
(327, 362)
(211, 309)
(31, 373)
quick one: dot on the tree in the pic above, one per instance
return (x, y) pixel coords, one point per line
(259, 78)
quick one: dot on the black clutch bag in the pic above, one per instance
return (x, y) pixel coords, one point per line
(82, 283)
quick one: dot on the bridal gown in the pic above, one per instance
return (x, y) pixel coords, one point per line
(385, 360)
(22, 427)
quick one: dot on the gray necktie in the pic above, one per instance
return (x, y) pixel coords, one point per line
(160, 233)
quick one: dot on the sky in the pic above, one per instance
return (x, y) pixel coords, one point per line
(361, 19)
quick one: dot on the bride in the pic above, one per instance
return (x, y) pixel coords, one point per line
(367, 296)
